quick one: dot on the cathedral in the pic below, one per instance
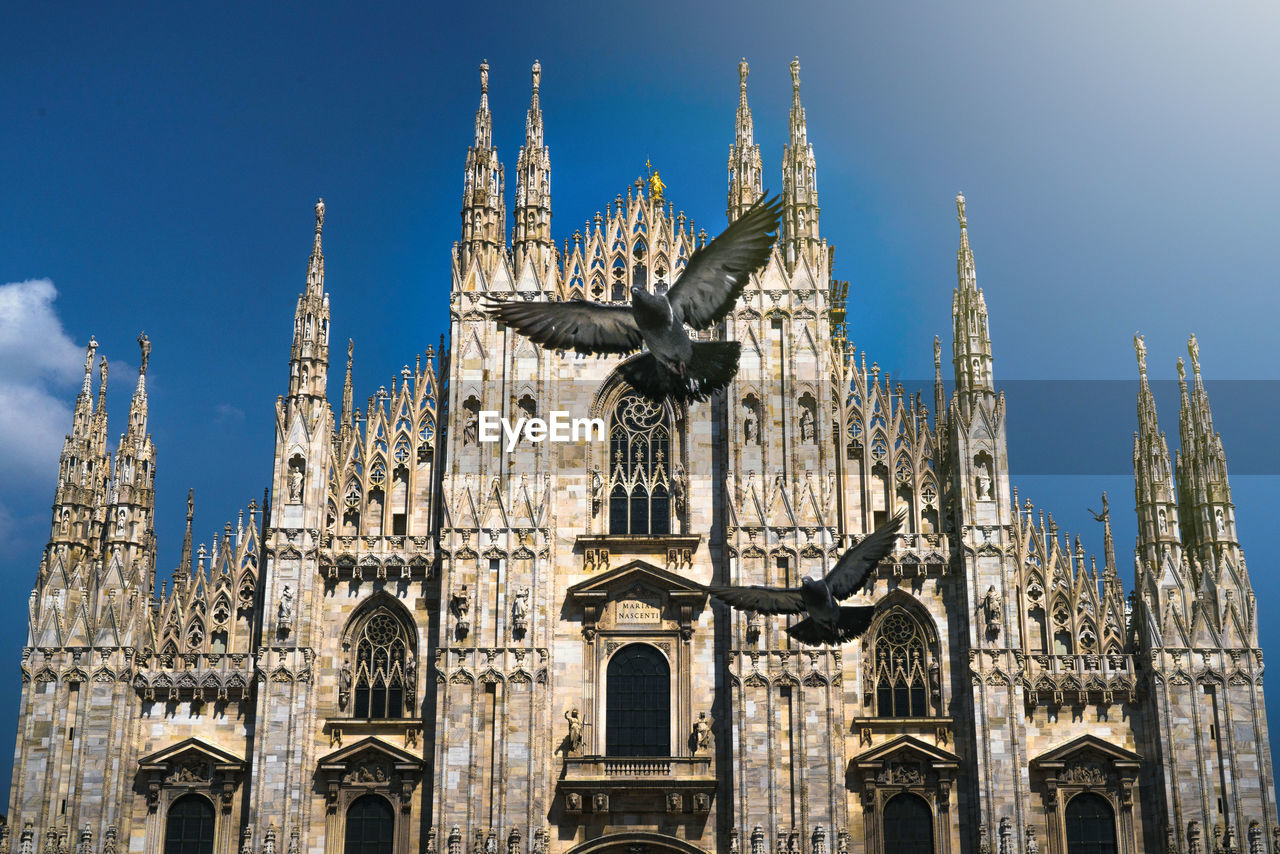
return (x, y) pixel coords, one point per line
(422, 640)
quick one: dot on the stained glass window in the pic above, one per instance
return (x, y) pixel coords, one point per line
(638, 706)
(901, 660)
(639, 460)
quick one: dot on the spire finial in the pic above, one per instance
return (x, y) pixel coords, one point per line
(319, 216)
(937, 357)
(537, 76)
(145, 343)
(1182, 372)
(484, 77)
(102, 376)
(89, 352)
(1193, 348)
(1140, 347)
(795, 75)
(347, 391)
(964, 223)
(743, 71)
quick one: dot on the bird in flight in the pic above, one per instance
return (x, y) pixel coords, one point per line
(828, 621)
(675, 366)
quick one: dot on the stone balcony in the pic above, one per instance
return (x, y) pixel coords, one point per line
(671, 784)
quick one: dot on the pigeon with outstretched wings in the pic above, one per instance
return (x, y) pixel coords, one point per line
(674, 366)
(828, 621)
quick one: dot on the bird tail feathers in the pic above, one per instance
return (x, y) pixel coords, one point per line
(854, 620)
(713, 365)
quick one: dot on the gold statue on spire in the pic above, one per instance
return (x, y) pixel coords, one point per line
(655, 183)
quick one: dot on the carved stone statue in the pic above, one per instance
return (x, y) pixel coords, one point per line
(1033, 845)
(1140, 347)
(702, 732)
(285, 610)
(574, 741)
(520, 608)
(344, 684)
(806, 425)
(992, 605)
(984, 480)
(678, 489)
(460, 604)
(471, 429)
(750, 429)
(295, 482)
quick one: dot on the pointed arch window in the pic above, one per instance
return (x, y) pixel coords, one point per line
(384, 665)
(189, 826)
(639, 460)
(902, 667)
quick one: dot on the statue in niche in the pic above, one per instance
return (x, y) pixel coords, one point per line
(122, 517)
(520, 610)
(471, 428)
(1163, 520)
(64, 522)
(295, 481)
(702, 732)
(678, 489)
(597, 490)
(806, 425)
(344, 684)
(753, 625)
(750, 428)
(984, 479)
(1219, 521)
(285, 609)
(460, 604)
(992, 605)
(573, 743)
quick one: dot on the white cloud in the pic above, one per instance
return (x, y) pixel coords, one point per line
(33, 344)
(39, 364)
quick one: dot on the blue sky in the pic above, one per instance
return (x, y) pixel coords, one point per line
(160, 162)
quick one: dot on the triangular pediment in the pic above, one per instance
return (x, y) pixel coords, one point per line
(907, 745)
(365, 748)
(192, 749)
(627, 576)
(1086, 743)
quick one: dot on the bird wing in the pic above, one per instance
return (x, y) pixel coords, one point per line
(854, 566)
(762, 600)
(586, 327)
(718, 272)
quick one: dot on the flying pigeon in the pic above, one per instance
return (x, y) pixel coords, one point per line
(674, 367)
(828, 621)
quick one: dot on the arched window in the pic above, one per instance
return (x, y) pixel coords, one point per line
(908, 825)
(901, 662)
(189, 826)
(638, 716)
(1091, 825)
(383, 654)
(639, 460)
(371, 825)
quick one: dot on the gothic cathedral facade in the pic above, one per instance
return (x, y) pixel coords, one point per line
(422, 641)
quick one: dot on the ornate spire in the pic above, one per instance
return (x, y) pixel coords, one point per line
(745, 171)
(800, 238)
(315, 266)
(532, 243)
(1205, 491)
(309, 356)
(185, 567)
(138, 406)
(972, 341)
(348, 411)
(484, 217)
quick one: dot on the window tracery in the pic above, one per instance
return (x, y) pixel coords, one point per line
(383, 676)
(901, 670)
(639, 453)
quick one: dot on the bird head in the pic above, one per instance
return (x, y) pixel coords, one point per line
(811, 583)
(653, 305)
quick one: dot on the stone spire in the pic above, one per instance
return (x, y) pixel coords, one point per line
(84, 467)
(309, 357)
(484, 216)
(129, 518)
(972, 338)
(348, 394)
(745, 171)
(184, 568)
(532, 245)
(1204, 490)
(138, 406)
(1155, 496)
(800, 239)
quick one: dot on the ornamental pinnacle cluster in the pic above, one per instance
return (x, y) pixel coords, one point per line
(425, 642)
